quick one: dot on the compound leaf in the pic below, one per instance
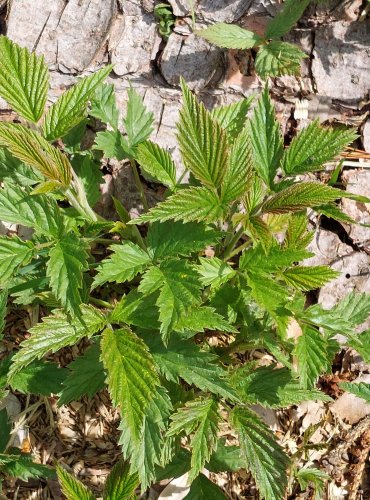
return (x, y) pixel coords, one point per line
(157, 162)
(312, 355)
(279, 58)
(214, 272)
(230, 36)
(308, 278)
(120, 484)
(103, 105)
(286, 18)
(138, 121)
(232, 117)
(72, 488)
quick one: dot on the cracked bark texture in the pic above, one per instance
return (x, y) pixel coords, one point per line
(79, 36)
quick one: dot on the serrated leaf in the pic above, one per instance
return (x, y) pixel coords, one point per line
(72, 488)
(113, 144)
(14, 253)
(70, 108)
(312, 356)
(3, 311)
(137, 309)
(65, 267)
(230, 36)
(355, 308)
(139, 121)
(31, 148)
(266, 291)
(286, 18)
(238, 175)
(86, 377)
(39, 212)
(203, 489)
(359, 389)
(184, 359)
(56, 331)
(169, 239)
(279, 58)
(24, 80)
(120, 484)
(300, 196)
(90, 175)
(297, 234)
(103, 105)
(264, 457)
(361, 343)
(199, 319)
(14, 171)
(309, 278)
(314, 146)
(214, 272)
(316, 477)
(126, 261)
(157, 162)
(191, 204)
(267, 142)
(232, 117)
(200, 417)
(21, 466)
(225, 458)
(203, 143)
(131, 376)
(260, 232)
(332, 211)
(40, 377)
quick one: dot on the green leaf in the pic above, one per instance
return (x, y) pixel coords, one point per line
(86, 377)
(6, 428)
(316, 477)
(225, 458)
(203, 489)
(238, 173)
(169, 239)
(131, 376)
(266, 291)
(137, 309)
(113, 144)
(20, 466)
(286, 18)
(314, 146)
(200, 319)
(90, 175)
(126, 261)
(232, 117)
(185, 359)
(178, 466)
(264, 457)
(359, 389)
(55, 332)
(70, 108)
(67, 262)
(3, 311)
(191, 204)
(230, 36)
(72, 488)
(300, 196)
(312, 356)
(14, 253)
(39, 212)
(355, 308)
(31, 148)
(279, 58)
(157, 162)
(103, 105)
(309, 278)
(14, 171)
(267, 142)
(40, 377)
(24, 80)
(332, 211)
(214, 272)
(120, 484)
(139, 121)
(203, 142)
(200, 417)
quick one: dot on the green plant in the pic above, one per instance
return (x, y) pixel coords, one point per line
(166, 19)
(150, 307)
(274, 57)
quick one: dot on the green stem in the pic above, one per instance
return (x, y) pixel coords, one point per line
(139, 186)
(231, 244)
(100, 302)
(239, 249)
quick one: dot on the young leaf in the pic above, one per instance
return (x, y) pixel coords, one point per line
(309, 278)
(191, 204)
(264, 457)
(67, 262)
(202, 141)
(14, 253)
(203, 489)
(70, 108)
(169, 239)
(230, 36)
(157, 162)
(126, 261)
(200, 417)
(312, 356)
(113, 144)
(316, 477)
(300, 196)
(14, 171)
(55, 332)
(24, 80)
(267, 142)
(214, 272)
(232, 117)
(120, 484)
(279, 58)
(72, 488)
(314, 146)
(138, 121)
(286, 18)
(86, 378)
(131, 376)
(40, 377)
(359, 389)
(103, 105)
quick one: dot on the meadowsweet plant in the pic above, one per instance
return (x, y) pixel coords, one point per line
(175, 303)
